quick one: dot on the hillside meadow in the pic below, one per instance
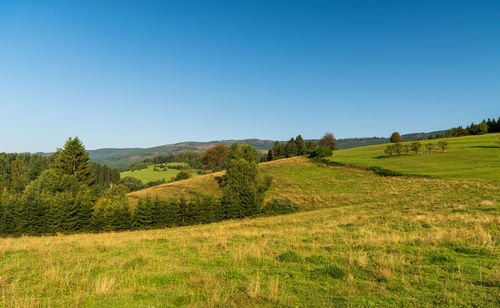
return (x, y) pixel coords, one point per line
(469, 157)
(362, 240)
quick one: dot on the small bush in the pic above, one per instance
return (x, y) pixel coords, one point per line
(183, 175)
(280, 206)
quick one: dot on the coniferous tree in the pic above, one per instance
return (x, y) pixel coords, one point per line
(73, 160)
(301, 145)
(278, 150)
(269, 155)
(18, 175)
(291, 148)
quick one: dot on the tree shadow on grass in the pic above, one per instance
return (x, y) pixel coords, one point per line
(486, 146)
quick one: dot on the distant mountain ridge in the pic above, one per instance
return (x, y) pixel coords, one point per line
(123, 157)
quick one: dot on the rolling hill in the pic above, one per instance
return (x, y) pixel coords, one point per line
(469, 157)
(122, 158)
(365, 240)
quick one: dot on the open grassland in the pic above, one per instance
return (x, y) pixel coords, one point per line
(389, 242)
(470, 157)
(149, 175)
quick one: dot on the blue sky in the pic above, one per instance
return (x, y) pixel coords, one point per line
(146, 73)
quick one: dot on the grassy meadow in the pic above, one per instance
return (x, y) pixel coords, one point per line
(150, 175)
(469, 157)
(367, 240)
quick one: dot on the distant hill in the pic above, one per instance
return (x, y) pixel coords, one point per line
(122, 158)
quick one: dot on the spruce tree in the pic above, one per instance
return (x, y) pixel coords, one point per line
(73, 160)
(301, 145)
(291, 148)
(278, 150)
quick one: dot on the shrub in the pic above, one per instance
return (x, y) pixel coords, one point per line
(321, 152)
(415, 147)
(443, 145)
(397, 147)
(429, 147)
(183, 175)
(389, 150)
(280, 206)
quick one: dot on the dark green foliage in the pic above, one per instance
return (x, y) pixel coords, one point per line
(270, 156)
(243, 151)
(301, 145)
(384, 172)
(278, 150)
(131, 183)
(73, 160)
(291, 148)
(190, 158)
(310, 146)
(240, 189)
(321, 152)
(279, 207)
(183, 175)
(489, 126)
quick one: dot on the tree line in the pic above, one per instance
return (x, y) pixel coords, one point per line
(485, 126)
(71, 195)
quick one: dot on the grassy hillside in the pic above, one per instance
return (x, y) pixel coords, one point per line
(149, 175)
(470, 157)
(383, 241)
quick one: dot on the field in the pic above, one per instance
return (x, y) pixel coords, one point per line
(470, 157)
(149, 175)
(371, 241)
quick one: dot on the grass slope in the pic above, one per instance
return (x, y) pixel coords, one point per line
(470, 157)
(149, 175)
(385, 241)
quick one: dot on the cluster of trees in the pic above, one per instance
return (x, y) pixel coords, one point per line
(63, 198)
(299, 147)
(486, 126)
(190, 158)
(397, 147)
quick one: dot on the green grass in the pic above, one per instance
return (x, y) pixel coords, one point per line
(376, 241)
(470, 157)
(149, 175)
(363, 240)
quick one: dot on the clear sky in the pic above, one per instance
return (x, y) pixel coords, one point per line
(146, 73)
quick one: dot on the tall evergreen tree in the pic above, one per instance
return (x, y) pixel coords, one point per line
(291, 148)
(301, 145)
(73, 160)
(278, 150)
